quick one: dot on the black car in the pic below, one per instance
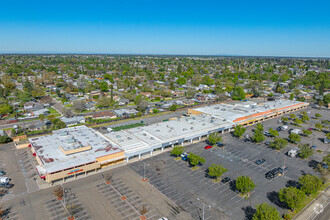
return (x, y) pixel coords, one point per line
(261, 161)
(2, 173)
(272, 174)
(8, 185)
(267, 142)
(226, 179)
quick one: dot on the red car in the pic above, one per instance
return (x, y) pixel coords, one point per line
(208, 147)
(310, 129)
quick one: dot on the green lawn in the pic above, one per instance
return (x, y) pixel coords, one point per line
(127, 126)
(52, 111)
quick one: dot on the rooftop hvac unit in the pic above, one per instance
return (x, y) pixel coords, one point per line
(157, 130)
(129, 138)
(117, 136)
(144, 134)
(192, 128)
(216, 108)
(203, 124)
(185, 129)
(152, 138)
(212, 121)
(194, 118)
(223, 109)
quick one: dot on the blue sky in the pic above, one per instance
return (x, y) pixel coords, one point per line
(265, 28)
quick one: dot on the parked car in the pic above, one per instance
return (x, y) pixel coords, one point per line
(272, 174)
(226, 179)
(219, 144)
(2, 173)
(282, 169)
(207, 147)
(185, 158)
(6, 185)
(261, 161)
(324, 165)
(310, 129)
(183, 154)
(326, 140)
(267, 142)
(314, 147)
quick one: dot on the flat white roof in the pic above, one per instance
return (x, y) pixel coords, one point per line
(231, 112)
(53, 158)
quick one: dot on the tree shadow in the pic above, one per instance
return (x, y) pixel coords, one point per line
(313, 164)
(249, 212)
(273, 198)
(292, 183)
(303, 172)
(232, 185)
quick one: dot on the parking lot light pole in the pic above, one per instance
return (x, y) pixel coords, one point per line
(144, 171)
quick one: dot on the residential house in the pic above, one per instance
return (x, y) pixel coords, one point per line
(33, 106)
(104, 115)
(73, 121)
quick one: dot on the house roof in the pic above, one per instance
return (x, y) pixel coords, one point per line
(103, 114)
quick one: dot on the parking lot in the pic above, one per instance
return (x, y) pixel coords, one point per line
(56, 210)
(189, 189)
(125, 201)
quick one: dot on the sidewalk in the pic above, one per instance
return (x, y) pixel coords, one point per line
(316, 207)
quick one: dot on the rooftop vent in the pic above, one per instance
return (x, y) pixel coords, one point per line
(129, 138)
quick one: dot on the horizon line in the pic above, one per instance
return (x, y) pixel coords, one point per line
(156, 54)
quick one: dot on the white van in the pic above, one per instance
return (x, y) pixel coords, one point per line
(293, 152)
(4, 180)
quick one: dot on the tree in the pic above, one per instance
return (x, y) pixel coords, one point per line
(305, 118)
(327, 135)
(258, 136)
(297, 121)
(5, 139)
(244, 184)
(307, 132)
(58, 192)
(79, 105)
(67, 113)
(291, 196)
(294, 137)
(260, 127)
(173, 107)
(141, 103)
(194, 159)
(41, 117)
(72, 208)
(326, 159)
(177, 151)
(292, 116)
(266, 212)
(216, 170)
(104, 86)
(279, 143)
(310, 184)
(238, 93)
(181, 81)
(239, 130)
(318, 126)
(155, 111)
(305, 151)
(291, 96)
(318, 115)
(284, 119)
(273, 132)
(214, 138)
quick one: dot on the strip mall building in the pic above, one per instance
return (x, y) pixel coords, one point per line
(79, 150)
